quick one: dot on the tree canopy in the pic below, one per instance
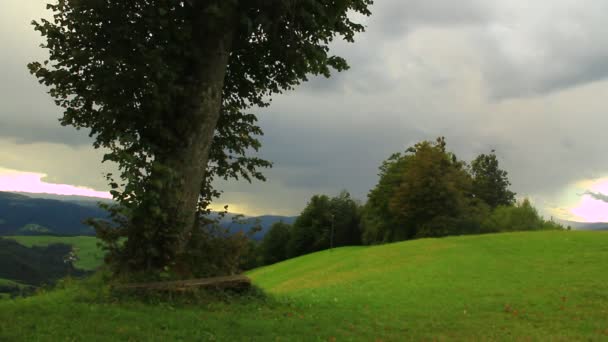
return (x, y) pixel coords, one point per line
(165, 86)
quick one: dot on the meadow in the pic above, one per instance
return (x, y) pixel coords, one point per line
(89, 254)
(6, 282)
(500, 287)
(10, 285)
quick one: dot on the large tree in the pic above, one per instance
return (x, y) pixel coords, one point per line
(164, 86)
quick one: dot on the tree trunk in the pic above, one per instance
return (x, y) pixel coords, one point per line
(190, 161)
(196, 120)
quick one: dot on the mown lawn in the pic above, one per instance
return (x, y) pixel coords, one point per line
(518, 286)
(90, 255)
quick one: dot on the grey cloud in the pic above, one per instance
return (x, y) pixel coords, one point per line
(320, 153)
(53, 132)
(80, 166)
(547, 50)
(393, 19)
(508, 81)
(538, 164)
(396, 17)
(361, 78)
(596, 195)
(526, 50)
(367, 73)
(27, 112)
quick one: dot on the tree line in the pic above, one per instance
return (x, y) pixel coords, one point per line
(425, 191)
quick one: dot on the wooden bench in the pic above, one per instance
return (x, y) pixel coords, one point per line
(235, 282)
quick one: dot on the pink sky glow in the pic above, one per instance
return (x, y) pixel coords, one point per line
(32, 182)
(591, 210)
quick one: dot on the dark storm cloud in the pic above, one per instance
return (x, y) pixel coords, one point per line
(27, 113)
(319, 153)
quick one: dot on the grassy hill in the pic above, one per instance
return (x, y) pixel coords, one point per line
(518, 286)
(5, 283)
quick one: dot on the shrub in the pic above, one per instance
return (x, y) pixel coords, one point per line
(520, 217)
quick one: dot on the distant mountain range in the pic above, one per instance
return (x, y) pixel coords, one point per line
(584, 225)
(264, 222)
(47, 214)
(81, 200)
(24, 215)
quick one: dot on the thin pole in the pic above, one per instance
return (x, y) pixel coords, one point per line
(331, 240)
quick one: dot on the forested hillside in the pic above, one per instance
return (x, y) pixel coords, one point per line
(35, 265)
(24, 268)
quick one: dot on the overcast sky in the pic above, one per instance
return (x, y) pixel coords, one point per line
(528, 79)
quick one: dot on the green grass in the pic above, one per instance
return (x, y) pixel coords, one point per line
(6, 282)
(518, 286)
(90, 255)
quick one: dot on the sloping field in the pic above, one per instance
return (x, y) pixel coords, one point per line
(6, 282)
(520, 286)
(89, 254)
